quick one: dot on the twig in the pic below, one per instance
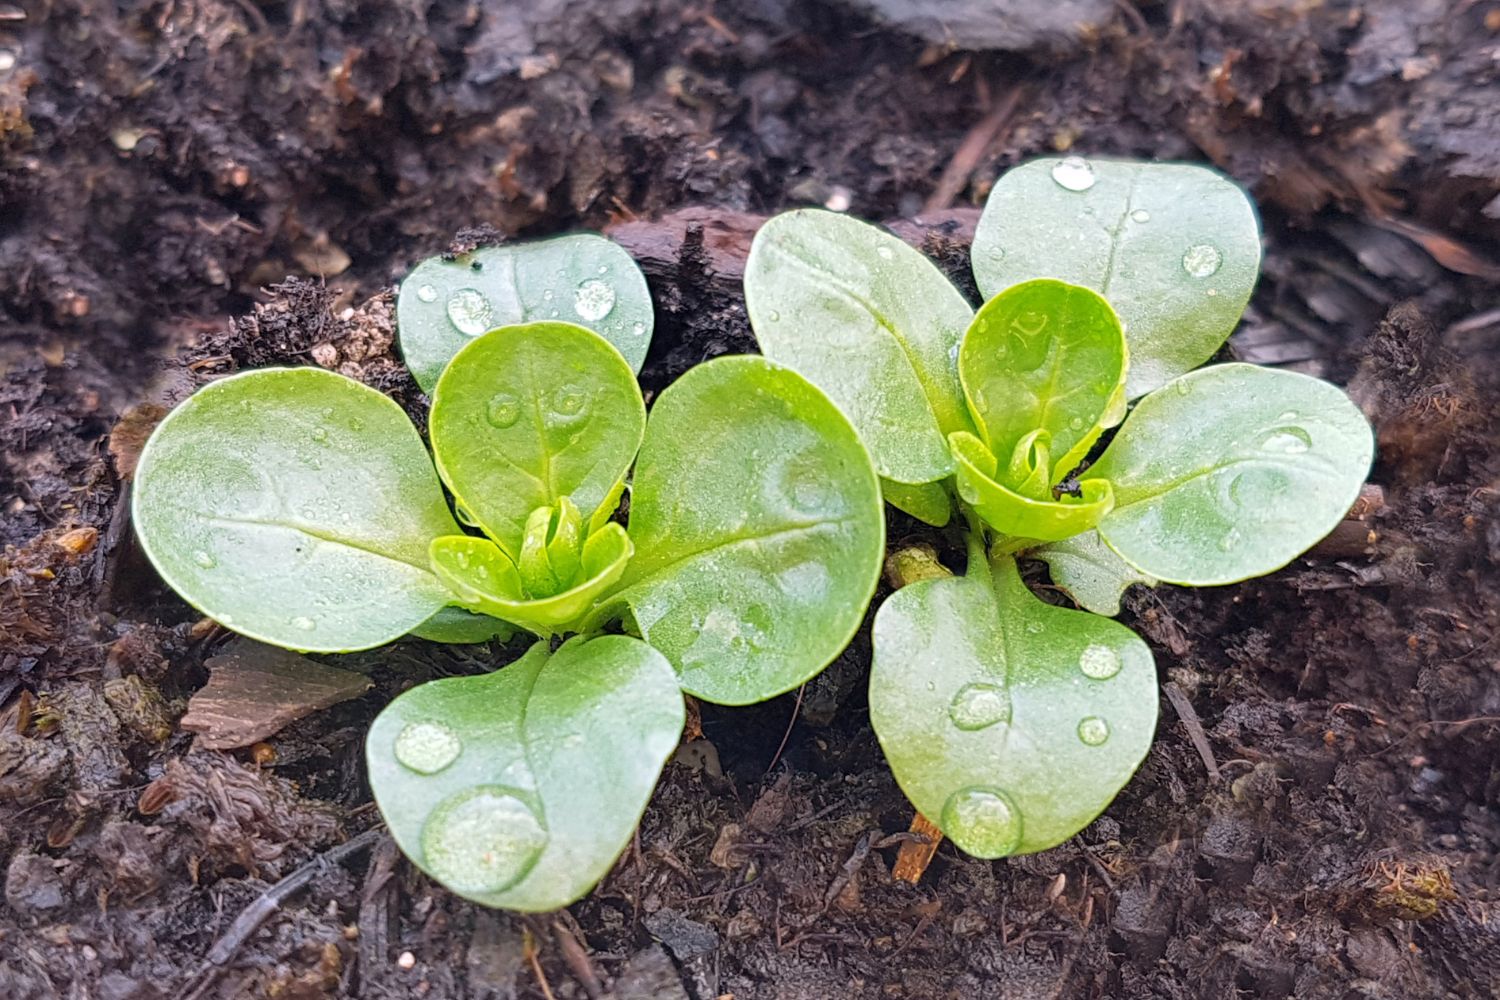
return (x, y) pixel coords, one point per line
(788, 734)
(1194, 728)
(969, 152)
(528, 946)
(258, 912)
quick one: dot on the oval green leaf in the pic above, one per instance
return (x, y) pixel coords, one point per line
(1091, 572)
(486, 580)
(527, 415)
(1011, 513)
(1230, 472)
(929, 503)
(871, 322)
(294, 506)
(519, 789)
(1008, 722)
(583, 278)
(1043, 355)
(758, 528)
(1175, 248)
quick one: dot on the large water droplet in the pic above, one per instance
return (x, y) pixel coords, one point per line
(1202, 260)
(427, 293)
(482, 839)
(593, 300)
(470, 311)
(204, 559)
(1074, 173)
(304, 623)
(1093, 730)
(427, 747)
(1140, 215)
(1286, 440)
(982, 821)
(503, 410)
(977, 706)
(1099, 662)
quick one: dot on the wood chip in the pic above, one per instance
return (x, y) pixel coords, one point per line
(915, 855)
(254, 690)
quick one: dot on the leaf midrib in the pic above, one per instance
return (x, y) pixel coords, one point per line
(674, 561)
(321, 535)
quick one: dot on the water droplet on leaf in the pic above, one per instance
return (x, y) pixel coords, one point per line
(483, 839)
(1076, 423)
(885, 252)
(1093, 730)
(204, 559)
(1230, 540)
(320, 434)
(982, 821)
(775, 316)
(427, 293)
(503, 410)
(1202, 260)
(1140, 215)
(304, 623)
(1073, 173)
(593, 300)
(977, 706)
(569, 401)
(1286, 440)
(469, 311)
(638, 328)
(427, 747)
(1099, 662)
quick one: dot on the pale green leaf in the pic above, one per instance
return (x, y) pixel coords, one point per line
(1175, 248)
(583, 278)
(456, 625)
(871, 322)
(929, 503)
(520, 788)
(486, 580)
(294, 506)
(758, 528)
(1230, 472)
(1012, 513)
(1008, 722)
(1091, 572)
(528, 415)
(1043, 356)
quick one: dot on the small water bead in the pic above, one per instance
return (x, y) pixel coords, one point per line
(470, 311)
(1076, 423)
(1202, 260)
(547, 295)
(638, 328)
(1093, 730)
(885, 252)
(483, 839)
(979, 706)
(304, 623)
(603, 269)
(1230, 541)
(1099, 662)
(593, 300)
(569, 401)
(427, 293)
(427, 747)
(320, 434)
(1286, 440)
(982, 821)
(1073, 173)
(1140, 215)
(775, 316)
(1182, 386)
(204, 559)
(503, 410)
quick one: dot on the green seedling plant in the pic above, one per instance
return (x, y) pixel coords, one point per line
(1009, 721)
(302, 508)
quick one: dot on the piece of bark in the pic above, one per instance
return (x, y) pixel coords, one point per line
(254, 690)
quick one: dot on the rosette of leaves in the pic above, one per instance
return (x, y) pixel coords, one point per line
(303, 509)
(1008, 721)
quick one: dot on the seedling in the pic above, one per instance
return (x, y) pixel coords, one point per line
(1009, 721)
(301, 508)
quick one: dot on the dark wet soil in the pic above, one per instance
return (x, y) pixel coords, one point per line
(188, 187)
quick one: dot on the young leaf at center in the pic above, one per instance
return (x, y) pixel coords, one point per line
(1045, 711)
(527, 415)
(519, 788)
